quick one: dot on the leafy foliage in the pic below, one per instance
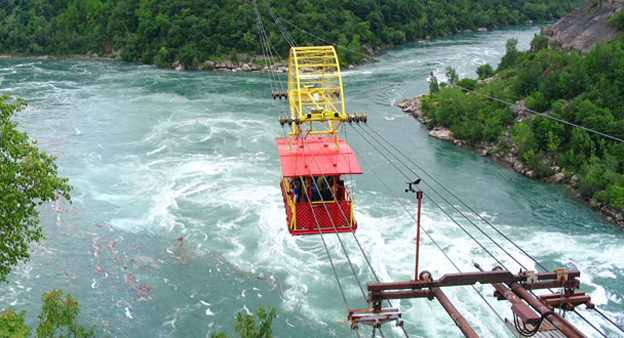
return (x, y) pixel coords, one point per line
(585, 90)
(28, 178)
(434, 86)
(192, 31)
(617, 20)
(485, 71)
(58, 317)
(246, 324)
(12, 324)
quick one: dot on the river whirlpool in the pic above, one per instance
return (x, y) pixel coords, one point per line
(177, 221)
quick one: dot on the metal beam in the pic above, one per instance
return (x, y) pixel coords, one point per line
(559, 322)
(459, 320)
(467, 278)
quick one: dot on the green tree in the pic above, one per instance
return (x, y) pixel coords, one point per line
(246, 324)
(485, 71)
(511, 54)
(28, 178)
(434, 86)
(58, 317)
(12, 324)
(451, 75)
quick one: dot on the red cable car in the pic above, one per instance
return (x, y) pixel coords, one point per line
(313, 158)
(318, 159)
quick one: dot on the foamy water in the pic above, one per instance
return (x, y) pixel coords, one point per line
(157, 155)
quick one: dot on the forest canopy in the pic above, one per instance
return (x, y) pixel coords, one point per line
(192, 31)
(587, 90)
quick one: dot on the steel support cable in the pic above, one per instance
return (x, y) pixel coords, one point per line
(284, 32)
(445, 200)
(487, 222)
(462, 202)
(590, 324)
(437, 205)
(347, 221)
(544, 115)
(354, 236)
(428, 235)
(281, 27)
(333, 223)
(331, 262)
(609, 319)
(268, 47)
(260, 35)
(321, 39)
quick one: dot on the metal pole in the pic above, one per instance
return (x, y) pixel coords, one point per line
(459, 320)
(419, 195)
(559, 322)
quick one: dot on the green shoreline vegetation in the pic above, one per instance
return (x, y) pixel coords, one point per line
(194, 31)
(587, 90)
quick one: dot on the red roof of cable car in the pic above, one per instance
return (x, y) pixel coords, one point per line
(300, 159)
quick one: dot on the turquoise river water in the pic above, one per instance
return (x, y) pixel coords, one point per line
(155, 155)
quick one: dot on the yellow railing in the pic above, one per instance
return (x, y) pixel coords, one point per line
(291, 204)
(315, 91)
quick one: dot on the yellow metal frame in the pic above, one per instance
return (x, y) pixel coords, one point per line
(315, 90)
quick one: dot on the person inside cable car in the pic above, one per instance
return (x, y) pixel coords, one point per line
(296, 189)
(316, 191)
(327, 189)
(341, 189)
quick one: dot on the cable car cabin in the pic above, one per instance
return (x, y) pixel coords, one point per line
(312, 184)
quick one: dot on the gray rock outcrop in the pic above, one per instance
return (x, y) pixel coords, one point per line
(584, 27)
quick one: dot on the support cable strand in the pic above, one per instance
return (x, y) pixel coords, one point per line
(281, 27)
(445, 200)
(463, 203)
(269, 46)
(428, 235)
(332, 220)
(537, 262)
(331, 262)
(609, 319)
(436, 204)
(351, 229)
(321, 39)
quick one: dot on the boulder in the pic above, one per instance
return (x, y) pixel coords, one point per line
(482, 30)
(484, 152)
(177, 65)
(351, 67)
(530, 173)
(209, 64)
(442, 134)
(517, 165)
(558, 177)
(575, 178)
(246, 67)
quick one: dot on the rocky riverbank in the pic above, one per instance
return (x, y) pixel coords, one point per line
(509, 157)
(255, 64)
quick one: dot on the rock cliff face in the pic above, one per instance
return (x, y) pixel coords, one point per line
(584, 27)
